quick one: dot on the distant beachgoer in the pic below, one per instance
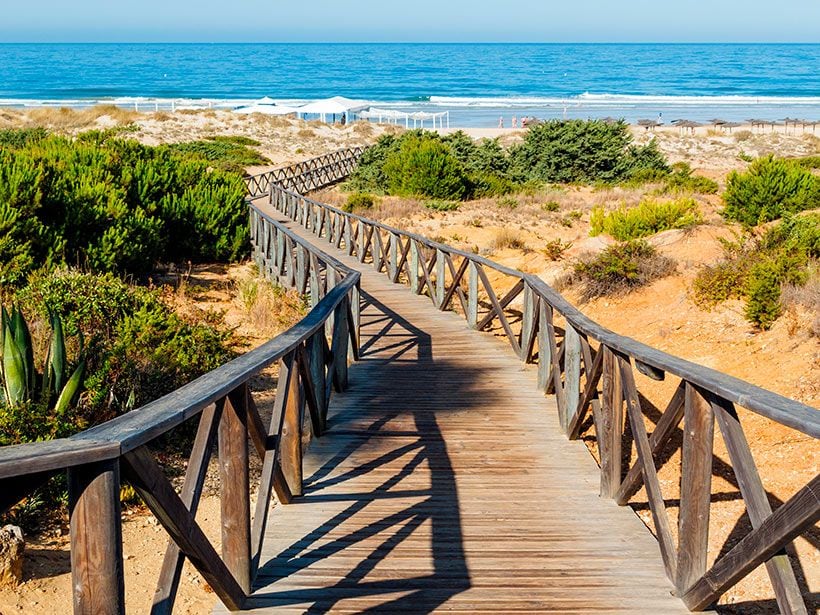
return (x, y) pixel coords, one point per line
(344, 119)
(514, 122)
(501, 122)
(524, 121)
(660, 119)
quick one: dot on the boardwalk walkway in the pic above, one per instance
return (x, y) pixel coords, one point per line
(445, 483)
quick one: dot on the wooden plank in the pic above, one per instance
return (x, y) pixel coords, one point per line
(572, 375)
(290, 457)
(148, 480)
(695, 489)
(96, 539)
(235, 491)
(612, 424)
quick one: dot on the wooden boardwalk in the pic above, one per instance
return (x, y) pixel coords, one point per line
(444, 483)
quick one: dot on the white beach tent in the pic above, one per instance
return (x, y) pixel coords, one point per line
(267, 108)
(337, 105)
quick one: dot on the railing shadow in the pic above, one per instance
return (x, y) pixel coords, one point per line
(392, 347)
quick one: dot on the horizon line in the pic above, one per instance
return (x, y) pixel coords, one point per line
(454, 42)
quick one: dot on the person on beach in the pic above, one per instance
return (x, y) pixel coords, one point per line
(344, 119)
(514, 122)
(501, 122)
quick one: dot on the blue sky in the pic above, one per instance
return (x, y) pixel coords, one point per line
(416, 20)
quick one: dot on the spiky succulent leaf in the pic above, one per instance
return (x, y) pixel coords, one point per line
(14, 371)
(69, 392)
(24, 345)
(57, 366)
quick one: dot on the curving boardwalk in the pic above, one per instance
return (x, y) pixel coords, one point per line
(444, 483)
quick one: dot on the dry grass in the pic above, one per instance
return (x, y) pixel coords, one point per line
(64, 118)
(270, 308)
(806, 297)
(507, 239)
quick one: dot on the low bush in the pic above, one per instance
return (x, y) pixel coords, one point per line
(647, 218)
(555, 248)
(507, 239)
(425, 167)
(227, 153)
(441, 205)
(618, 269)
(755, 268)
(587, 151)
(682, 180)
(135, 349)
(113, 205)
(768, 189)
(359, 200)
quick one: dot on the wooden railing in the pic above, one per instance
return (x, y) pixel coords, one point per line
(307, 175)
(313, 359)
(592, 370)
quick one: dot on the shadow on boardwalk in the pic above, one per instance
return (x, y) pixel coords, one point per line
(404, 351)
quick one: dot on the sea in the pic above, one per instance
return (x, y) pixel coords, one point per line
(476, 83)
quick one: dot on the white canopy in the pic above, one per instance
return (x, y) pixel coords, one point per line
(336, 105)
(265, 100)
(267, 109)
(394, 116)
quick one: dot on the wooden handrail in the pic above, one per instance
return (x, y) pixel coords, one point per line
(590, 369)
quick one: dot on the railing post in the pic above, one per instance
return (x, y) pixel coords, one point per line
(341, 336)
(235, 494)
(392, 256)
(441, 278)
(96, 539)
(695, 487)
(609, 441)
(414, 266)
(472, 295)
(316, 353)
(544, 347)
(572, 374)
(291, 437)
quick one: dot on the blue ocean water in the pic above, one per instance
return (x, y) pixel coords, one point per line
(475, 82)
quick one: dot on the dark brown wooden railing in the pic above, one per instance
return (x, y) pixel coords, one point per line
(307, 175)
(313, 361)
(592, 370)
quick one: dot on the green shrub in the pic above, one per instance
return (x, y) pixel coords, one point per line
(425, 167)
(755, 269)
(113, 205)
(770, 188)
(359, 200)
(583, 151)
(136, 347)
(681, 180)
(226, 153)
(807, 162)
(442, 205)
(647, 218)
(619, 268)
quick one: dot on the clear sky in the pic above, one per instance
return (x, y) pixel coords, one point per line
(410, 20)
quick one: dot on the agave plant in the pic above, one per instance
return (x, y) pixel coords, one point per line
(21, 382)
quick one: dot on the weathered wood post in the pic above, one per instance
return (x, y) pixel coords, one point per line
(696, 488)
(291, 440)
(235, 488)
(472, 294)
(393, 257)
(96, 539)
(414, 266)
(572, 374)
(612, 411)
(441, 279)
(544, 347)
